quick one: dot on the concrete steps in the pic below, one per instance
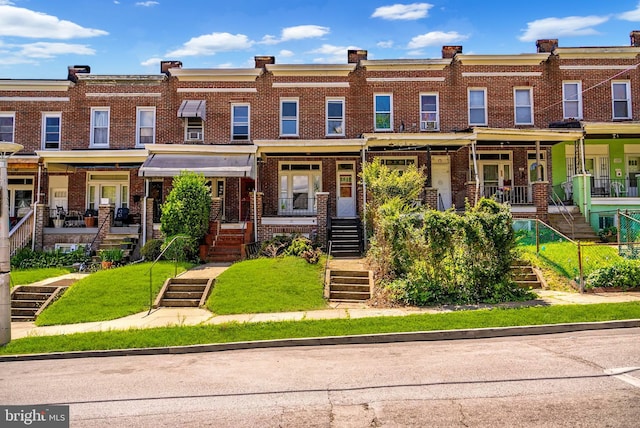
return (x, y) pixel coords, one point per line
(349, 285)
(126, 240)
(184, 292)
(525, 276)
(582, 231)
(28, 301)
(345, 238)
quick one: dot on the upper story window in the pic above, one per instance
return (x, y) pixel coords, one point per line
(621, 98)
(383, 104)
(429, 117)
(523, 105)
(146, 125)
(289, 117)
(240, 121)
(100, 126)
(51, 125)
(335, 116)
(7, 127)
(194, 129)
(572, 100)
(477, 106)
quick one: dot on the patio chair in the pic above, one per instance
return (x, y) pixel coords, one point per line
(617, 189)
(122, 217)
(567, 187)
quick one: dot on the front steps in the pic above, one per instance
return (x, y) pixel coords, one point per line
(125, 238)
(184, 292)
(349, 285)
(227, 242)
(345, 237)
(524, 275)
(582, 231)
(28, 301)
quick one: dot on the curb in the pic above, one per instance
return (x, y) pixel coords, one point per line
(424, 336)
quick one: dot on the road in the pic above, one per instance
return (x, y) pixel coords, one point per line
(573, 379)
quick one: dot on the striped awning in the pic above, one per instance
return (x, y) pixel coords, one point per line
(193, 108)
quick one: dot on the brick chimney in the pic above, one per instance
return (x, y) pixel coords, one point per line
(451, 51)
(263, 60)
(74, 70)
(635, 38)
(166, 65)
(354, 56)
(546, 45)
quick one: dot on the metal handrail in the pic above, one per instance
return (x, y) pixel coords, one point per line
(95, 238)
(156, 261)
(563, 209)
(326, 265)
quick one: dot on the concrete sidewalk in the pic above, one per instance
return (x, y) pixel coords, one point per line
(163, 317)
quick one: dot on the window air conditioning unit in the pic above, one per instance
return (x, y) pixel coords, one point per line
(194, 135)
(429, 125)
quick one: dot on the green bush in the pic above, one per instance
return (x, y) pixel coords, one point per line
(28, 259)
(298, 245)
(184, 248)
(152, 249)
(188, 205)
(624, 275)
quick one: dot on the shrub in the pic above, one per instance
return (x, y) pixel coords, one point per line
(188, 205)
(184, 248)
(152, 249)
(311, 255)
(27, 259)
(624, 275)
(114, 255)
(275, 246)
(298, 245)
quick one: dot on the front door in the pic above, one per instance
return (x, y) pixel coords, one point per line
(346, 181)
(441, 180)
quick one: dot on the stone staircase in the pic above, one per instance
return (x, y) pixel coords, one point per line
(184, 292)
(345, 237)
(125, 238)
(227, 243)
(349, 285)
(582, 231)
(524, 275)
(28, 301)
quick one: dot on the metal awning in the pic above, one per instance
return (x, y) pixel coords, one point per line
(193, 108)
(214, 165)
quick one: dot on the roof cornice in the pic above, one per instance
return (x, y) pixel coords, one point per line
(518, 59)
(35, 85)
(323, 70)
(200, 148)
(106, 78)
(216, 74)
(614, 52)
(611, 127)
(532, 135)
(405, 64)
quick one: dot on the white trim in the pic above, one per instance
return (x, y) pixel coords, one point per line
(599, 67)
(248, 106)
(295, 100)
(36, 85)
(627, 84)
(43, 133)
(140, 109)
(123, 94)
(92, 130)
(37, 99)
(310, 84)
(530, 106)
(405, 79)
(502, 74)
(375, 111)
(565, 100)
(217, 90)
(437, 112)
(484, 107)
(340, 132)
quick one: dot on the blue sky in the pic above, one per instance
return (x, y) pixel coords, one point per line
(40, 38)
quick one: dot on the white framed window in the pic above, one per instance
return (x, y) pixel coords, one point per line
(335, 116)
(429, 117)
(100, 126)
(383, 109)
(111, 186)
(51, 130)
(240, 121)
(7, 126)
(477, 99)
(398, 163)
(289, 117)
(572, 100)
(145, 125)
(298, 184)
(193, 129)
(20, 192)
(523, 106)
(621, 99)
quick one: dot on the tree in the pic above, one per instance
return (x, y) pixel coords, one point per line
(187, 209)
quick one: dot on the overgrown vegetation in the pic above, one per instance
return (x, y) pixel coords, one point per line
(28, 259)
(624, 274)
(288, 245)
(421, 256)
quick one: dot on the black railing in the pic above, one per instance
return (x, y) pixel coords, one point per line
(89, 248)
(613, 188)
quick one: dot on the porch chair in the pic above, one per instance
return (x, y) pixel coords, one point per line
(617, 189)
(567, 187)
(122, 217)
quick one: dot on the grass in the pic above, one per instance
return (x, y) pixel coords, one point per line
(268, 285)
(108, 294)
(235, 332)
(29, 276)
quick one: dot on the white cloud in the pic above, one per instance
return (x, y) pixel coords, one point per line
(416, 52)
(50, 50)
(304, 32)
(331, 53)
(210, 44)
(269, 40)
(435, 38)
(385, 44)
(147, 3)
(632, 15)
(406, 12)
(285, 53)
(558, 27)
(116, 2)
(151, 62)
(20, 22)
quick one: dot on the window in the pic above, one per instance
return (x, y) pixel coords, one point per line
(51, 123)
(100, 126)
(572, 100)
(383, 112)
(299, 183)
(335, 116)
(146, 125)
(523, 104)
(477, 106)
(398, 163)
(289, 117)
(621, 97)
(113, 187)
(429, 120)
(194, 129)
(6, 127)
(240, 121)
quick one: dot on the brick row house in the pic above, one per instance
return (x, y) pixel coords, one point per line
(282, 144)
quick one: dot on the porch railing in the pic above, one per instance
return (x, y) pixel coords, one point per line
(20, 234)
(297, 206)
(515, 195)
(614, 188)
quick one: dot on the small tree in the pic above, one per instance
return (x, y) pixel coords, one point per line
(186, 211)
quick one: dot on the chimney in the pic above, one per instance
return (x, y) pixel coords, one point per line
(166, 65)
(635, 38)
(263, 60)
(451, 51)
(73, 70)
(546, 45)
(354, 56)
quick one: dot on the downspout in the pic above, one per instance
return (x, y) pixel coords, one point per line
(475, 169)
(35, 210)
(255, 201)
(144, 211)
(364, 199)
(584, 180)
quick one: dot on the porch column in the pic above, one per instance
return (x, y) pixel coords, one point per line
(540, 190)
(471, 193)
(322, 217)
(431, 198)
(148, 221)
(257, 218)
(216, 207)
(42, 220)
(105, 212)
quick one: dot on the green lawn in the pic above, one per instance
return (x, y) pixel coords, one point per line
(235, 332)
(268, 285)
(29, 276)
(109, 294)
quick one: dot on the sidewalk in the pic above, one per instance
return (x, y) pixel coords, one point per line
(163, 317)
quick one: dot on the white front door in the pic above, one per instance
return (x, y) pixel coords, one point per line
(346, 181)
(441, 180)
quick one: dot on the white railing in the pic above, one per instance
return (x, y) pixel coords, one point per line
(20, 234)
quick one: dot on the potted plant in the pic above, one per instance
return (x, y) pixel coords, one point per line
(110, 256)
(90, 218)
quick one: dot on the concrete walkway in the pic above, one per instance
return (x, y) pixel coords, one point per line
(163, 317)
